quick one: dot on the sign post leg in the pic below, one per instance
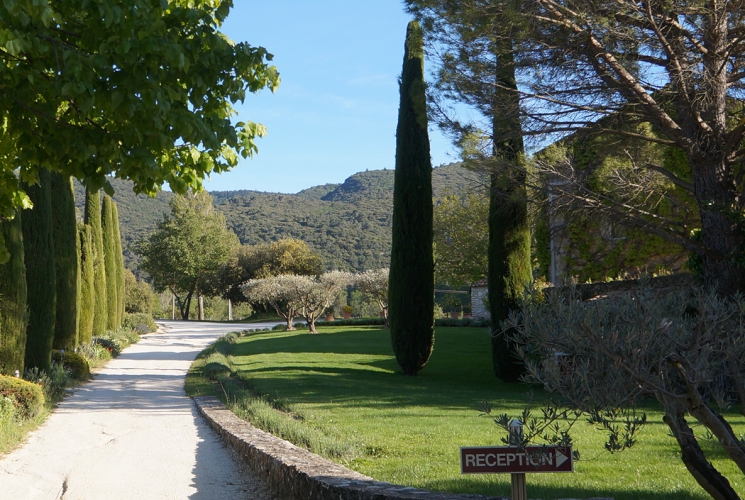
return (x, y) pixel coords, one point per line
(519, 490)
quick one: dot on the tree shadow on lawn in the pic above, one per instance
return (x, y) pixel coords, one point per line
(362, 387)
(369, 341)
(460, 354)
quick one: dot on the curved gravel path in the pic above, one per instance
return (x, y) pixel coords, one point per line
(132, 433)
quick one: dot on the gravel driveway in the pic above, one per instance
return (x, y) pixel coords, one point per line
(132, 433)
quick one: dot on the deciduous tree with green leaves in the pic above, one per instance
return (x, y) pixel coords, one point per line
(138, 90)
(285, 256)
(461, 238)
(187, 248)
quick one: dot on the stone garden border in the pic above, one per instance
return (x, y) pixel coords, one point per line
(293, 473)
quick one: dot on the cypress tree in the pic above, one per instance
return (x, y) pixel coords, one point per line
(93, 219)
(87, 287)
(120, 294)
(79, 280)
(110, 262)
(64, 231)
(38, 245)
(509, 231)
(411, 283)
(13, 308)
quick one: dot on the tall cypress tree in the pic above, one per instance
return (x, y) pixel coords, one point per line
(509, 230)
(93, 219)
(120, 294)
(110, 262)
(411, 283)
(38, 247)
(87, 287)
(13, 295)
(79, 280)
(64, 231)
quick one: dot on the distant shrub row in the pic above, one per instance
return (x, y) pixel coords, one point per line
(481, 323)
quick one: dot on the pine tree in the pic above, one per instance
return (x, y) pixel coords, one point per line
(509, 231)
(110, 262)
(64, 232)
(87, 287)
(93, 219)
(38, 247)
(411, 286)
(120, 295)
(13, 295)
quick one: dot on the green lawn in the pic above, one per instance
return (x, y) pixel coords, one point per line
(345, 384)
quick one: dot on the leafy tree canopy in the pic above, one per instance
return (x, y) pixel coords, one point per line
(286, 256)
(138, 90)
(461, 239)
(188, 247)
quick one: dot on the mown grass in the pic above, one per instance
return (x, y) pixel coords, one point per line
(344, 384)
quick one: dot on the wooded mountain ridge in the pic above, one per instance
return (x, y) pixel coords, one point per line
(349, 224)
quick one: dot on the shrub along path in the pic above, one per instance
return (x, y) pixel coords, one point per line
(132, 432)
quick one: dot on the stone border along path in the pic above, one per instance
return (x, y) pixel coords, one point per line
(294, 473)
(132, 433)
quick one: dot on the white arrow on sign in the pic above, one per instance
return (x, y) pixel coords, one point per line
(560, 458)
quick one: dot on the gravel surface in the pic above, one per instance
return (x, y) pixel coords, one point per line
(132, 433)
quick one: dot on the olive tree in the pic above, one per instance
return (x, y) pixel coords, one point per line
(374, 283)
(315, 293)
(277, 292)
(687, 350)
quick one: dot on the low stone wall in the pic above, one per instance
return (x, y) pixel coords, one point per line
(293, 473)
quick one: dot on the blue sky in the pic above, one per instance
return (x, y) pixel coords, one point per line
(335, 112)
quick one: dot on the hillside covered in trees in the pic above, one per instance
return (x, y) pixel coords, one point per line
(349, 224)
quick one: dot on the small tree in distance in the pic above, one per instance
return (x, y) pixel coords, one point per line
(374, 283)
(316, 293)
(187, 248)
(278, 292)
(285, 256)
(461, 239)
